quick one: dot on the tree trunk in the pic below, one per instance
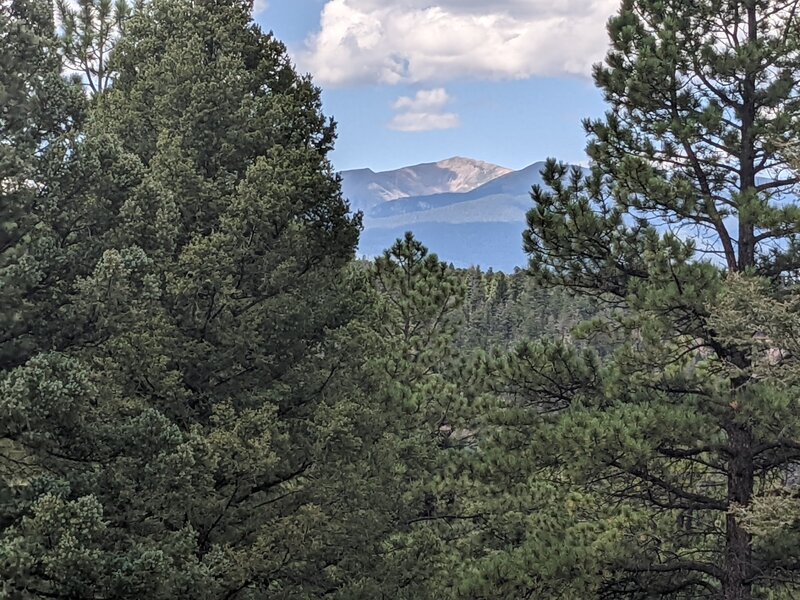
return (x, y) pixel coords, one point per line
(738, 551)
(738, 543)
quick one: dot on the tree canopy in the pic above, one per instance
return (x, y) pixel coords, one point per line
(204, 396)
(689, 186)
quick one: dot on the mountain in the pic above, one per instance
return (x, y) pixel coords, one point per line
(512, 184)
(467, 211)
(366, 188)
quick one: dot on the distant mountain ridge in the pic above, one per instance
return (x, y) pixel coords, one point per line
(468, 211)
(365, 187)
(513, 183)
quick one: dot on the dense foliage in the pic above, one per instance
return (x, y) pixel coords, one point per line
(689, 188)
(204, 396)
(501, 310)
(174, 290)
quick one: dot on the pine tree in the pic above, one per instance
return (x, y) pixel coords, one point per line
(750, 315)
(29, 71)
(41, 109)
(179, 420)
(420, 395)
(688, 183)
(243, 219)
(89, 32)
(53, 227)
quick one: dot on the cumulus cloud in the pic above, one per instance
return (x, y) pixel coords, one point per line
(417, 41)
(259, 6)
(424, 100)
(424, 111)
(416, 122)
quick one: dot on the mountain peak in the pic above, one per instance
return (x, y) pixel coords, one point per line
(457, 160)
(457, 174)
(470, 173)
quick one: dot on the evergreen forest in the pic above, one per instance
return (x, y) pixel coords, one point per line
(205, 395)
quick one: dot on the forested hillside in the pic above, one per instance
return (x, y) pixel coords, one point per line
(502, 310)
(205, 395)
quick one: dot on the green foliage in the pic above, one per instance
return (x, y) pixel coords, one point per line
(202, 396)
(174, 423)
(420, 394)
(89, 32)
(501, 310)
(677, 432)
(418, 298)
(40, 116)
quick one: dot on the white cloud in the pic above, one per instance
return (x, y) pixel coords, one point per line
(424, 100)
(417, 41)
(424, 112)
(260, 6)
(416, 122)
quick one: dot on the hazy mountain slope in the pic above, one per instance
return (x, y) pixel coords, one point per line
(498, 208)
(482, 225)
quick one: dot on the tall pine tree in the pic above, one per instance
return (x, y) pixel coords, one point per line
(688, 184)
(173, 418)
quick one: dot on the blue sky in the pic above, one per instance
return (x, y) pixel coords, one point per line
(413, 81)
